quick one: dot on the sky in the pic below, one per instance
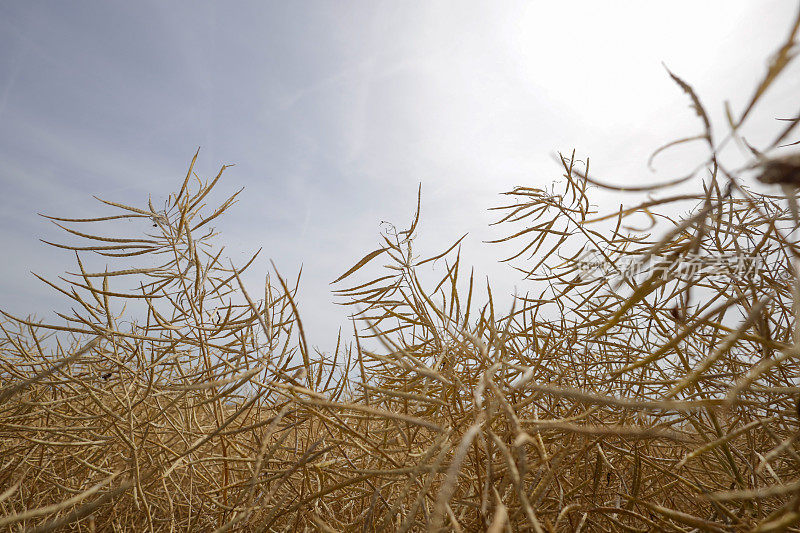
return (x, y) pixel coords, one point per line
(334, 113)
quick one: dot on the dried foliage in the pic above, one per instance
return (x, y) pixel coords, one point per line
(664, 400)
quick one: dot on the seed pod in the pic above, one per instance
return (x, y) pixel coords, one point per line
(781, 170)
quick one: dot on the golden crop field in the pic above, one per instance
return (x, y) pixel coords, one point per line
(176, 398)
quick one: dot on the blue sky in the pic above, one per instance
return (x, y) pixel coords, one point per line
(335, 112)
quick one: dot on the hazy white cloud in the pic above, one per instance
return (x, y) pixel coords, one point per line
(334, 113)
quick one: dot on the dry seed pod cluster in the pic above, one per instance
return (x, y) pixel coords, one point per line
(656, 399)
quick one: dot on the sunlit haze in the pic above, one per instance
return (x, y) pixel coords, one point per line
(334, 113)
